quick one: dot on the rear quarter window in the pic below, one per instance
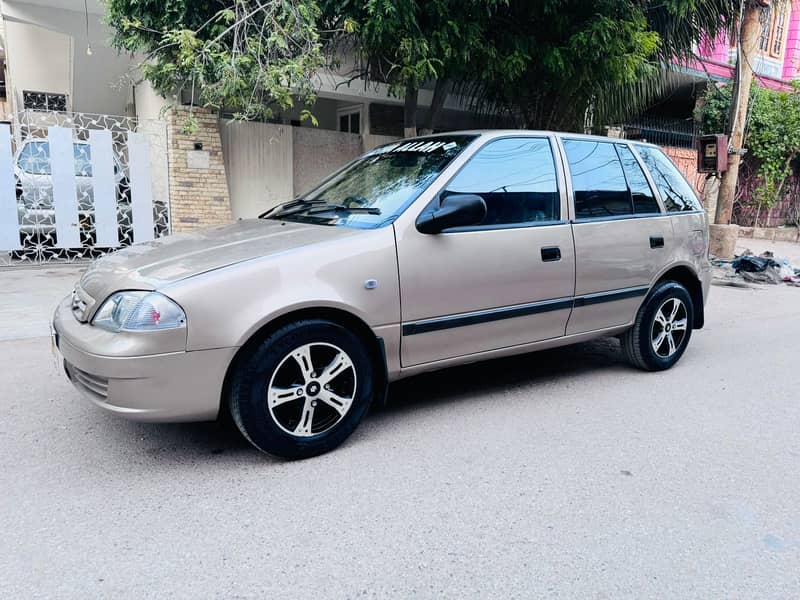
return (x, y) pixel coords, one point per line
(676, 193)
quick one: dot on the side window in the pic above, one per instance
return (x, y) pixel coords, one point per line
(675, 191)
(643, 199)
(597, 180)
(516, 177)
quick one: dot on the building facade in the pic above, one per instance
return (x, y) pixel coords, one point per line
(58, 68)
(778, 54)
(58, 59)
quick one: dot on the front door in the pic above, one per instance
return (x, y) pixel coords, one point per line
(622, 237)
(505, 282)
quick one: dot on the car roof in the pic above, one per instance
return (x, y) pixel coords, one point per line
(496, 133)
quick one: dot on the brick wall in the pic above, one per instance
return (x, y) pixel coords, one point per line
(197, 185)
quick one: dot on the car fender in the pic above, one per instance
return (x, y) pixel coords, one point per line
(356, 274)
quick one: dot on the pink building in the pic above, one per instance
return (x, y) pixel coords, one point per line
(778, 61)
(670, 120)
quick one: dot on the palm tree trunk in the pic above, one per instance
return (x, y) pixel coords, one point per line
(437, 103)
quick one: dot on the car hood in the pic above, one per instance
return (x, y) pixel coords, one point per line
(154, 264)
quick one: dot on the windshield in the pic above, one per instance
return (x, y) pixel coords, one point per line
(377, 187)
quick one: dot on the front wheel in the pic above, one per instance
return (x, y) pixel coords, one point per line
(303, 390)
(662, 328)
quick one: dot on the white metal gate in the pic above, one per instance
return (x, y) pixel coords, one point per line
(74, 185)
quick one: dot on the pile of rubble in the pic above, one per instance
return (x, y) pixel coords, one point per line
(747, 269)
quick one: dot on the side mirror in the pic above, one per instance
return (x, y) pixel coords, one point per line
(456, 210)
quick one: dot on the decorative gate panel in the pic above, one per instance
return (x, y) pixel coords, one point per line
(74, 186)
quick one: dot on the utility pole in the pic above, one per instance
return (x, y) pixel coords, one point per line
(749, 33)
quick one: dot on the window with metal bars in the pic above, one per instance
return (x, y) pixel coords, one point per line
(44, 101)
(766, 21)
(778, 30)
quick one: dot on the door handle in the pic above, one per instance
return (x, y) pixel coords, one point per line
(656, 241)
(551, 253)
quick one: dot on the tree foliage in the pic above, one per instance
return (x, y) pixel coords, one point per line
(245, 55)
(566, 63)
(547, 64)
(558, 56)
(543, 64)
(772, 137)
(406, 43)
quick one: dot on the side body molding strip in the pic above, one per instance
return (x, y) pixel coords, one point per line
(519, 310)
(613, 295)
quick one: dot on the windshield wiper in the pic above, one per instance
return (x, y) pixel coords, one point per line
(286, 208)
(317, 205)
(370, 210)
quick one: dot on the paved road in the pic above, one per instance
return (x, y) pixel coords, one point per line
(559, 474)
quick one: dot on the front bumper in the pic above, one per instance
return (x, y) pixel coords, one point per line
(168, 387)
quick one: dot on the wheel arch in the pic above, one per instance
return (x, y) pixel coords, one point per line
(687, 277)
(374, 344)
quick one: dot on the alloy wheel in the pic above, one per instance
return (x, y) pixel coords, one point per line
(669, 327)
(312, 389)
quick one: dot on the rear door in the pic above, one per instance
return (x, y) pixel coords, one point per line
(504, 282)
(622, 236)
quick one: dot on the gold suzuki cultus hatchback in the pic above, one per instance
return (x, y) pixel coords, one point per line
(419, 255)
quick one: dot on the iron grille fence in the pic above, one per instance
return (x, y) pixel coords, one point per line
(748, 212)
(74, 186)
(664, 131)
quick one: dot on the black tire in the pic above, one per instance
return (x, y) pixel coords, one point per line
(255, 371)
(637, 342)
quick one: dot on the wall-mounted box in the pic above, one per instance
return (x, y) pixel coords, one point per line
(712, 153)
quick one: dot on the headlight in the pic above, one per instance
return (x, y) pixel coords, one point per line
(139, 311)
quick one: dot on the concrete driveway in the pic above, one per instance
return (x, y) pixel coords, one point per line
(558, 474)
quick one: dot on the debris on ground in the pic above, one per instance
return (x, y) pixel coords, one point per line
(752, 264)
(725, 275)
(746, 269)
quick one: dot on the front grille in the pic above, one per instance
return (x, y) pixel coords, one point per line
(92, 384)
(81, 301)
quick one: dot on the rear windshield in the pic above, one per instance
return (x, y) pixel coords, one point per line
(677, 194)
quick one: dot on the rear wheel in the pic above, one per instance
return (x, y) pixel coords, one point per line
(303, 390)
(662, 329)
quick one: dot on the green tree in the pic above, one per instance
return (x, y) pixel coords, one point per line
(406, 43)
(772, 137)
(547, 64)
(550, 64)
(247, 56)
(568, 63)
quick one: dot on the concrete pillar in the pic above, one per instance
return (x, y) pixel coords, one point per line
(722, 240)
(365, 124)
(710, 192)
